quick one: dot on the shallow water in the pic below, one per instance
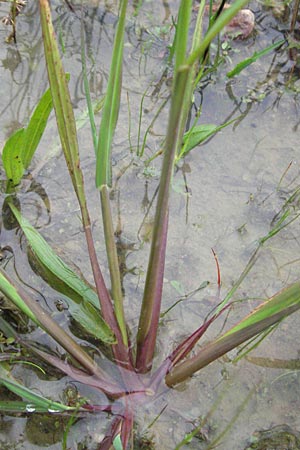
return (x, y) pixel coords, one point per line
(225, 196)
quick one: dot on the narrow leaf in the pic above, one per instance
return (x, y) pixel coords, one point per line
(275, 306)
(34, 399)
(103, 172)
(21, 407)
(12, 156)
(61, 102)
(256, 55)
(195, 72)
(181, 35)
(87, 90)
(111, 105)
(11, 292)
(226, 16)
(36, 127)
(198, 134)
(68, 136)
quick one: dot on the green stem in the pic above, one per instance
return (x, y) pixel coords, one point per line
(181, 38)
(191, 78)
(120, 349)
(216, 28)
(113, 262)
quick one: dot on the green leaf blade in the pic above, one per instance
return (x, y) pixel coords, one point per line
(256, 55)
(89, 318)
(62, 102)
(34, 399)
(111, 105)
(196, 136)
(85, 310)
(278, 305)
(11, 292)
(36, 127)
(12, 156)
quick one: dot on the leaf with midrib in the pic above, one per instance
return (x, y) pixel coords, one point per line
(111, 105)
(85, 306)
(198, 134)
(21, 145)
(277, 306)
(12, 156)
(256, 55)
(36, 127)
(32, 397)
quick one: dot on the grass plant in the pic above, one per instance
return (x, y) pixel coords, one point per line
(132, 381)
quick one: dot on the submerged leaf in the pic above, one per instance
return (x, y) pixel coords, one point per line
(178, 286)
(46, 322)
(12, 156)
(11, 292)
(84, 306)
(275, 363)
(256, 55)
(197, 135)
(89, 318)
(36, 127)
(21, 145)
(35, 400)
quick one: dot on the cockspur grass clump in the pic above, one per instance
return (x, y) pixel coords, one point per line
(129, 381)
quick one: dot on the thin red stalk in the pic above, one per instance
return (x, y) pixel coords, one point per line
(104, 298)
(218, 269)
(115, 428)
(180, 352)
(188, 344)
(98, 408)
(107, 386)
(121, 352)
(127, 426)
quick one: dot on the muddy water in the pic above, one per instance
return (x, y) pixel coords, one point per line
(225, 196)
